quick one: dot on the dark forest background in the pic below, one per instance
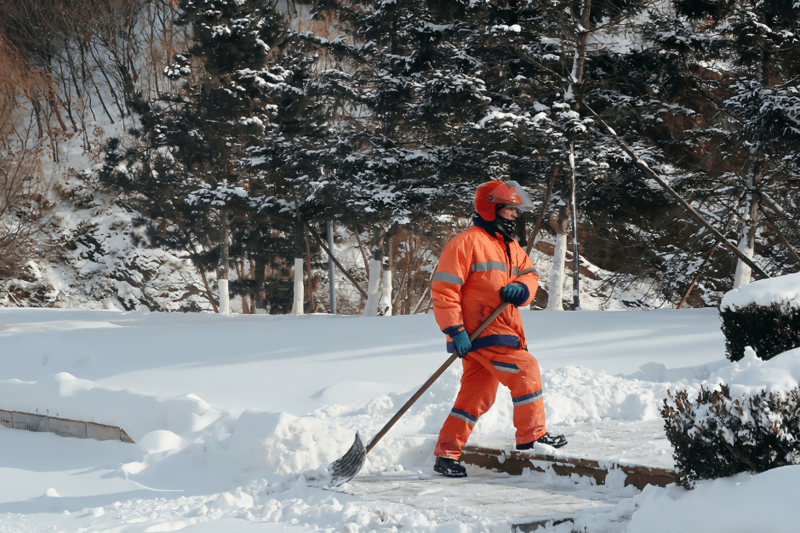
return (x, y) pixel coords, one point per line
(235, 131)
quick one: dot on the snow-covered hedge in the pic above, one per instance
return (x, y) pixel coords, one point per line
(718, 436)
(764, 315)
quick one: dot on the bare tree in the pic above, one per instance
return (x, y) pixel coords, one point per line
(23, 202)
(24, 209)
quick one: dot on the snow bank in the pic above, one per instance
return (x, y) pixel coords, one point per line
(783, 290)
(256, 444)
(275, 445)
(65, 396)
(290, 395)
(751, 375)
(742, 503)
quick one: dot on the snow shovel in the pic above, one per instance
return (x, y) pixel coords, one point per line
(346, 468)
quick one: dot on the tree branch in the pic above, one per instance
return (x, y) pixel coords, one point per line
(650, 173)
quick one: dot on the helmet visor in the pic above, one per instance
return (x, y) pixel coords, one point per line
(527, 204)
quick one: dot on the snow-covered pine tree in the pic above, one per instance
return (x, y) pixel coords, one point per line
(457, 95)
(631, 227)
(537, 62)
(394, 169)
(293, 162)
(189, 172)
(735, 73)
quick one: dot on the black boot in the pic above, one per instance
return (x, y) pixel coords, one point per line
(556, 441)
(449, 467)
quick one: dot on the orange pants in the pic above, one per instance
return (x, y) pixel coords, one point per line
(483, 370)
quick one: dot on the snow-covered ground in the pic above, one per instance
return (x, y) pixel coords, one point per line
(235, 420)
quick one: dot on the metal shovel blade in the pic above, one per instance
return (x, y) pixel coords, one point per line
(346, 468)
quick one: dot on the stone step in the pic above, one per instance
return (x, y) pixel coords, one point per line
(516, 462)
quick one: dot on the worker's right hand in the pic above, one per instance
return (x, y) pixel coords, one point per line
(462, 343)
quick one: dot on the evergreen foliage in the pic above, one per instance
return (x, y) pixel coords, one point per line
(195, 172)
(455, 96)
(404, 163)
(393, 117)
(717, 436)
(729, 115)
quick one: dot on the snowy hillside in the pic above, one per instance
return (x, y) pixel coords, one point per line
(235, 420)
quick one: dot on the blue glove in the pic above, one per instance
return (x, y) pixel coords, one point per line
(462, 343)
(515, 293)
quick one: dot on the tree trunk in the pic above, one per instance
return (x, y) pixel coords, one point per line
(299, 249)
(222, 274)
(208, 293)
(375, 273)
(361, 248)
(574, 93)
(309, 278)
(240, 269)
(385, 302)
(744, 273)
(299, 297)
(583, 39)
(576, 298)
(331, 271)
(556, 287)
(260, 280)
(396, 303)
(373, 290)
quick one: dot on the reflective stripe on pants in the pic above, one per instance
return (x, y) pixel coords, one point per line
(483, 371)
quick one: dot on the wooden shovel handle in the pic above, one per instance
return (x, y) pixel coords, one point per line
(434, 377)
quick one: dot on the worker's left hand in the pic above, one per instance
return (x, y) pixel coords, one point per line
(462, 343)
(515, 293)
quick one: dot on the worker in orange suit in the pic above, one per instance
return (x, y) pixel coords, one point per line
(479, 269)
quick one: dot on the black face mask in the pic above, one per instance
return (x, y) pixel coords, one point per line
(505, 226)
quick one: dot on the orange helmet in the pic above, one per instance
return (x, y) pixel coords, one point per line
(490, 195)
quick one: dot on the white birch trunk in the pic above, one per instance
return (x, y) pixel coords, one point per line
(224, 297)
(556, 297)
(385, 302)
(744, 273)
(299, 291)
(374, 289)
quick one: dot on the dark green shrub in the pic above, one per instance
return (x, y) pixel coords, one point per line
(716, 436)
(768, 330)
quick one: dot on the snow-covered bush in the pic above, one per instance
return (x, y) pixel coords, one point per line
(764, 315)
(718, 436)
(768, 330)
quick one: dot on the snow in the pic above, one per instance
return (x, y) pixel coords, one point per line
(235, 418)
(782, 290)
(774, 493)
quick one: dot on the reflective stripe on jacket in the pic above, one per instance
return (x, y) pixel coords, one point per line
(474, 266)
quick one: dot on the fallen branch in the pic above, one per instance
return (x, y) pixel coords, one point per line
(705, 263)
(780, 234)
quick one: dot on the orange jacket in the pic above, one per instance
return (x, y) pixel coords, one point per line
(474, 266)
